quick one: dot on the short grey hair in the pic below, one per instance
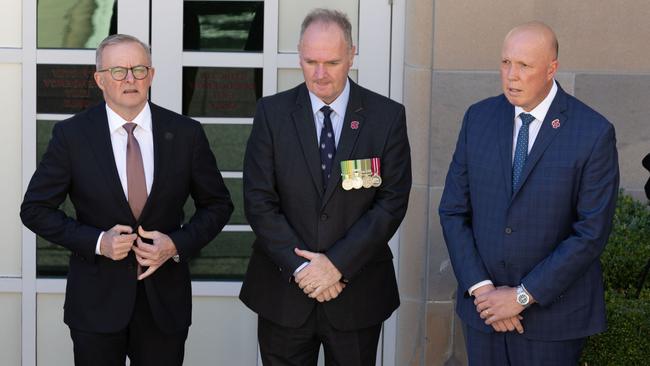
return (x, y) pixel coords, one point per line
(119, 39)
(328, 16)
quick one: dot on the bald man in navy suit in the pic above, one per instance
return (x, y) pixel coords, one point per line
(527, 210)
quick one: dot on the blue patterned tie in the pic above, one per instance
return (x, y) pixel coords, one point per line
(521, 151)
(327, 145)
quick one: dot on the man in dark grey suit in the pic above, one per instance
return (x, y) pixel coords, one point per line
(128, 167)
(526, 212)
(327, 176)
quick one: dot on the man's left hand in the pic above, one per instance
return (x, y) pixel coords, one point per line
(498, 305)
(153, 255)
(318, 276)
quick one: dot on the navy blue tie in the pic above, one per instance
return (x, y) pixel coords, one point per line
(521, 150)
(327, 145)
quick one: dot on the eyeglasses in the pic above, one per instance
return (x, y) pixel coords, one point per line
(119, 73)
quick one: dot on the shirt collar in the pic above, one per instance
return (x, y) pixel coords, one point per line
(542, 108)
(338, 105)
(115, 122)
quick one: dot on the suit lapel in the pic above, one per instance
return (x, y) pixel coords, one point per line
(506, 126)
(349, 135)
(163, 151)
(98, 136)
(303, 119)
(546, 134)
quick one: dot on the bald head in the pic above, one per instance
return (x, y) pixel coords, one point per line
(528, 64)
(540, 32)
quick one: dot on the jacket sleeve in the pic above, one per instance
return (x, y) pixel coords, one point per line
(47, 189)
(275, 236)
(598, 190)
(455, 212)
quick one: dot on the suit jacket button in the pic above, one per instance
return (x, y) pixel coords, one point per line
(508, 230)
(324, 217)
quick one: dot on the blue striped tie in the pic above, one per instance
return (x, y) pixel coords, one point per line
(521, 151)
(327, 145)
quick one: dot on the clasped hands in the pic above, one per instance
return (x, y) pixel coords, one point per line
(499, 308)
(320, 279)
(117, 242)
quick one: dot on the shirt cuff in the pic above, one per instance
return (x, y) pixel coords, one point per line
(482, 283)
(97, 246)
(300, 268)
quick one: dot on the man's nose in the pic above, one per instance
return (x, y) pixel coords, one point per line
(129, 76)
(513, 72)
(320, 71)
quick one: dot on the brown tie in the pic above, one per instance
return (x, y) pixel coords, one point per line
(136, 183)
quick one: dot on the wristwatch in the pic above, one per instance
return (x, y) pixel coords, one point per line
(523, 298)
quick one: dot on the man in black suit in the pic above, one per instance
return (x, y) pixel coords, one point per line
(128, 167)
(321, 271)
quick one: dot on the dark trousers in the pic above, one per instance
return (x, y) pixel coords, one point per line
(282, 346)
(514, 349)
(142, 341)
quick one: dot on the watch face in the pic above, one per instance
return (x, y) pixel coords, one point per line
(522, 299)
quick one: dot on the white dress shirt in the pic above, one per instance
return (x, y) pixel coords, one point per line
(119, 138)
(539, 113)
(338, 106)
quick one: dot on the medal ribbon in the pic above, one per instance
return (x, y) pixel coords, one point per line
(376, 166)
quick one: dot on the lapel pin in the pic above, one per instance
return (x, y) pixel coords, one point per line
(555, 123)
(354, 125)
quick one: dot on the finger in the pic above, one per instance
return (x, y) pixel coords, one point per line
(497, 327)
(509, 325)
(306, 280)
(319, 290)
(306, 254)
(126, 238)
(147, 234)
(484, 314)
(147, 273)
(480, 307)
(480, 299)
(338, 287)
(144, 262)
(122, 229)
(302, 273)
(333, 293)
(146, 247)
(309, 279)
(308, 289)
(320, 299)
(518, 326)
(138, 252)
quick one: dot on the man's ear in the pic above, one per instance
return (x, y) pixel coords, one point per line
(99, 80)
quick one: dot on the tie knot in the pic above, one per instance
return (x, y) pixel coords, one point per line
(129, 127)
(526, 118)
(326, 110)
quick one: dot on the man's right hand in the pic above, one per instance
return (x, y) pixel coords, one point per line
(117, 242)
(505, 325)
(331, 292)
(509, 324)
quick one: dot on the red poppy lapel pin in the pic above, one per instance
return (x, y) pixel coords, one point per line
(354, 125)
(555, 124)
